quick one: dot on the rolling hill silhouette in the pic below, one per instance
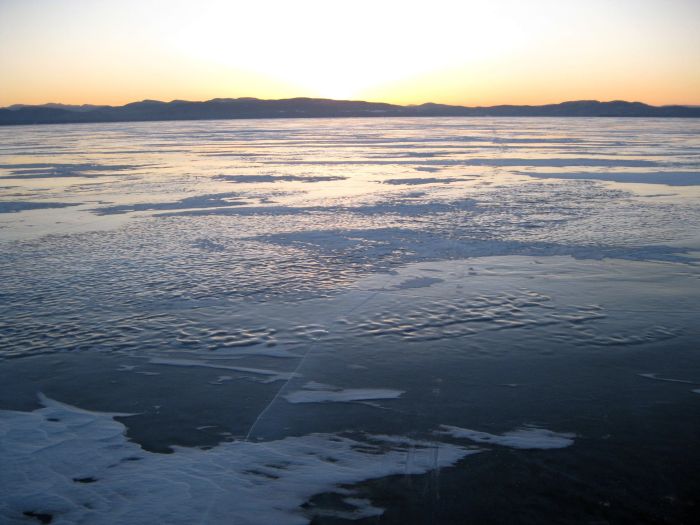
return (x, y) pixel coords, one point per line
(252, 108)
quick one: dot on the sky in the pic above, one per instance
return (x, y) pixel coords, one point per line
(468, 52)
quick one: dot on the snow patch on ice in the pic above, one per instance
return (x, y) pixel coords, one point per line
(525, 438)
(342, 396)
(418, 282)
(315, 385)
(77, 466)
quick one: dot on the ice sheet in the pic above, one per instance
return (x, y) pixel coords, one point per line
(221, 277)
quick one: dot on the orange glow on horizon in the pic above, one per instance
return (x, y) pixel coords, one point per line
(467, 52)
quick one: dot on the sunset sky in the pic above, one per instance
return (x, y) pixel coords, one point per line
(461, 52)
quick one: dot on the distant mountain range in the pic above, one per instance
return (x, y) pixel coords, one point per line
(249, 108)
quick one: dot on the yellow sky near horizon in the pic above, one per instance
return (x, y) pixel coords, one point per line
(470, 52)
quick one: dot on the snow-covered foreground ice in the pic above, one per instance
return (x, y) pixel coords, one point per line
(75, 466)
(319, 320)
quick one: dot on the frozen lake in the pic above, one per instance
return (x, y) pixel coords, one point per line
(388, 321)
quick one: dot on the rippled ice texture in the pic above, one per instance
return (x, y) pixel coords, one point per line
(297, 309)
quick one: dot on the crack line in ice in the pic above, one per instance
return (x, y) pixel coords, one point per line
(667, 379)
(295, 373)
(273, 374)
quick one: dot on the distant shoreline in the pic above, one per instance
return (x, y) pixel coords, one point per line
(221, 119)
(252, 108)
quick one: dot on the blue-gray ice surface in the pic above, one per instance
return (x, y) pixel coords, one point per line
(274, 321)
